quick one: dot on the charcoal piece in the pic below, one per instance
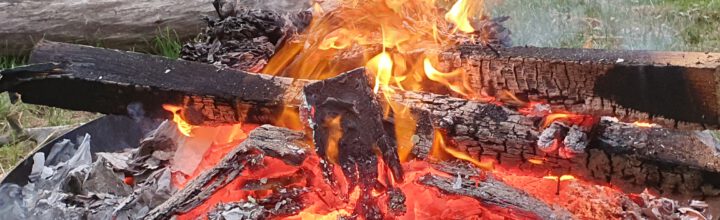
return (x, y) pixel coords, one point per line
(118, 161)
(396, 201)
(496, 193)
(550, 138)
(350, 97)
(102, 179)
(576, 140)
(249, 153)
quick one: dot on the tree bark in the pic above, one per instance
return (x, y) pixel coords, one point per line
(112, 23)
(624, 154)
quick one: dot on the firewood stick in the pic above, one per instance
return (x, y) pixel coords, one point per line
(266, 140)
(118, 79)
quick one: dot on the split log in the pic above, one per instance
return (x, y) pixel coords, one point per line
(632, 85)
(267, 140)
(108, 81)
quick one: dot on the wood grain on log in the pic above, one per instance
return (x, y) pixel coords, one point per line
(264, 140)
(485, 130)
(682, 86)
(111, 23)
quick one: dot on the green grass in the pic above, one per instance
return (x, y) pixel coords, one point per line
(614, 24)
(167, 44)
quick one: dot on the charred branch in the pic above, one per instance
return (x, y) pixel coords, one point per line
(265, 140)
(496, 193)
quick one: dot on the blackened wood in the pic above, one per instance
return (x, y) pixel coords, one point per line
(633, 85)
(108, 81)
(349, 98)
(261, 141)
(496, 193)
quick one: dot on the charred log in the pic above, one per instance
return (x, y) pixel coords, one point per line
(631, 85)
(265, 140)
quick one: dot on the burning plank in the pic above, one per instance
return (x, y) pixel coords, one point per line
(486, 130)
(265, 140)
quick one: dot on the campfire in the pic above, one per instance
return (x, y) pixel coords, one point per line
(382, 109)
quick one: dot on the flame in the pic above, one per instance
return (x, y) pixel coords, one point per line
(644, 124)
(444, 78)
(560, 178)
(184, 127)
(536, 161)
(382, 66)
(440, 150)
(335, 133)
(459, 15)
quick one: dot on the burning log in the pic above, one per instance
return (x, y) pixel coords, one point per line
(267, 140)
(633, 85)
(485, 130)
(348, 99)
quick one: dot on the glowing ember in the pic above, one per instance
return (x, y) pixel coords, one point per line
(334, 136)
(536, 161)
(644, 124)
(183, 126)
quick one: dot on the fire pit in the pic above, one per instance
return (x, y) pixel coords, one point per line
(371, 110)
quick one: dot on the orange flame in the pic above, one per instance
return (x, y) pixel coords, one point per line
(644, 124)
(459, 15)
(184, 127)
(441, 151)
(560, 178)
(536, 161)
(335, 133)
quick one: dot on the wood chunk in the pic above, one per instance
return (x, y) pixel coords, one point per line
(263, 140)
(350, 97)
(496, 193)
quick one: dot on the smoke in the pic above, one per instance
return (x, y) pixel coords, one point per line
(607, 24)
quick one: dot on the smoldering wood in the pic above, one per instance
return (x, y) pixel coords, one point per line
(496, 193)
(262, 141)
(484, 130)
(668, 87)
(112, 23)
(349, 96)
(284, 202)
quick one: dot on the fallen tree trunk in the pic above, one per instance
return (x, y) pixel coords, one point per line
(111, 23)
(108, 81)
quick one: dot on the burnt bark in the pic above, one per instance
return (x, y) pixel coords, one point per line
(265, 140)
